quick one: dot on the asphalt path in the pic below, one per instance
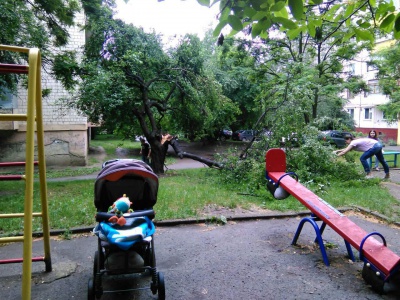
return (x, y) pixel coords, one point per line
(239, 260)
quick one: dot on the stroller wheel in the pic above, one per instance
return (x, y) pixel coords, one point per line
(91, 292)
(96, 263)
(161, 286)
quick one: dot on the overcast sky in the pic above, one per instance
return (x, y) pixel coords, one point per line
(169, 17)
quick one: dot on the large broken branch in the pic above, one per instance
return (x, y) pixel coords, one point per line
(175, 145)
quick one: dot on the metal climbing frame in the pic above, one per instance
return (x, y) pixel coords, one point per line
(34, 120)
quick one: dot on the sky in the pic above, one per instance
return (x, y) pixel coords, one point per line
(169, 17)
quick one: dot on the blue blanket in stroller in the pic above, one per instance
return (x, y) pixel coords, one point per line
(135, 230)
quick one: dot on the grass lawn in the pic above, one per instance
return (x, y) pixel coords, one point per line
(182, 194)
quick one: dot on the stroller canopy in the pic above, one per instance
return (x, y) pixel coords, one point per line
(131, 177)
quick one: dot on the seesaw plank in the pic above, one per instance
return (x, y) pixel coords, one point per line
(375, 251)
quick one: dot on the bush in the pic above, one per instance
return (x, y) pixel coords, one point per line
(314, 164)
(247, 175)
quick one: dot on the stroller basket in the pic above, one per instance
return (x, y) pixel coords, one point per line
(129, 248)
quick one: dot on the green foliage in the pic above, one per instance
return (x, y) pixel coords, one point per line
(296, 81)
(246, 175)
(66, 64)
(39, 24)
(199, 108)
(386, 61)
(260, 17)
(235, 70)
(130, 84)
(314, 164)
(331, 121)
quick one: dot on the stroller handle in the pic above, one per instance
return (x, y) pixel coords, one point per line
(103, 216)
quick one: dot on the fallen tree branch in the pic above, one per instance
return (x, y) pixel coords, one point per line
(175, 145)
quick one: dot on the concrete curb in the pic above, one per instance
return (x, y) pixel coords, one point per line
(376, 215)
(218, 219)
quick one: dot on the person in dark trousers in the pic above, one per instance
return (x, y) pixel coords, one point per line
(370, 147)
(145, 151)
(372, 135)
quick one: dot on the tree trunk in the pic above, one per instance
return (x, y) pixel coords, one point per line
(158, 158)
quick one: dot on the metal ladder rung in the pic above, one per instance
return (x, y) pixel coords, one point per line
(11, 117)
(16, 164)
(12, 177)
(15, 69)
(19, 260)
(12, 239)
(19, 215)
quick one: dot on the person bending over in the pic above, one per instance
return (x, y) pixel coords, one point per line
(370, 147)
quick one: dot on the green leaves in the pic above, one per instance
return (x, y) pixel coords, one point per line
(240, 13)
(397, 23)
(235, 22)
(388, 21)
(278, 6)
(292, 34)
(204, 2)
(289, 24)
(363, 35)
(296, 8)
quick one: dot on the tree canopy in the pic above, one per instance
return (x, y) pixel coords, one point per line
(127, 81)
(258, 16)
(39, 24)
(387, 63)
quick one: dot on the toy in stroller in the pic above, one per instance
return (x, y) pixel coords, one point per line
(125, 240)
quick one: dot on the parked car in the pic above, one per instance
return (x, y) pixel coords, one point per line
(334, 138)
(224, 134)
(244, 135)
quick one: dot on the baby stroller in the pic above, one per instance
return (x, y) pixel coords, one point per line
(129, 248)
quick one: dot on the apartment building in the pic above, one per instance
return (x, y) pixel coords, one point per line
(364, 107)
(66, 131)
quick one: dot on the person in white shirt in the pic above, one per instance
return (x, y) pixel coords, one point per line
(370, 147)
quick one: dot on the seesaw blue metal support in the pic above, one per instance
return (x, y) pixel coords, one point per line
(380, 263)
(319, 231)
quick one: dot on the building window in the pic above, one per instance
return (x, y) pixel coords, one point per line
(373, 86)
(368, 113)
(371, 67)
(349, 94)
(351, 69)
(383, 115)
(6, 102)
(351, 112)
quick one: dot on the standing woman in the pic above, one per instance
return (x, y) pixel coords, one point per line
(370, 147)
(372, 135)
